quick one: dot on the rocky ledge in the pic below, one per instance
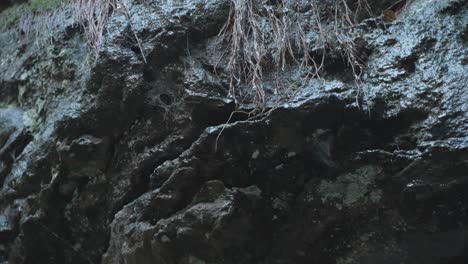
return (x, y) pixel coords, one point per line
(122, 161)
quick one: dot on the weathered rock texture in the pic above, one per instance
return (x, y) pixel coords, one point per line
(115, 161)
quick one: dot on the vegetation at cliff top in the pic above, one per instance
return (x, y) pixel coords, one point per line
(253, 45)
(11, 15)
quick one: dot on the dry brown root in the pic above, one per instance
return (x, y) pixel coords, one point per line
(247, 43)
(92, 15)
(248, 55)
(246, 50)
(252, 51)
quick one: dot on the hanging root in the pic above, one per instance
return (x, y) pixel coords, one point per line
(93, 16)
(281, 41)
(290, 44)
(247, 45)
(277, 38)
(344, 22)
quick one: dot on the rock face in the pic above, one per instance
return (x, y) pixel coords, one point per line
(121, 161)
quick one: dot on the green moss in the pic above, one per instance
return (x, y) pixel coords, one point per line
(11, 15)
(40, 6)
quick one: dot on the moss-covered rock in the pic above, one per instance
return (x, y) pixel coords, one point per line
(12, 14)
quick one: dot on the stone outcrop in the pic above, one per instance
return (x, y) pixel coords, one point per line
(121, 161)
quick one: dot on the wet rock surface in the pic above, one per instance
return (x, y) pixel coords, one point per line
(122, 161)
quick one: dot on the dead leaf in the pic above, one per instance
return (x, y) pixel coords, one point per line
(389, 15)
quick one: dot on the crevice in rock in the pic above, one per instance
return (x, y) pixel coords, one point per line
(409, 64)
